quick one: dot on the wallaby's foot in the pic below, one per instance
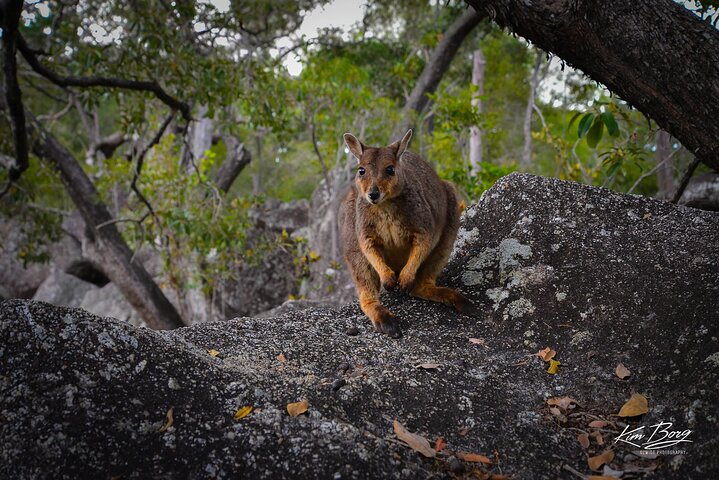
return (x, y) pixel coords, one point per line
(389, 281)
(406, 281)
(465, 305)
(448, 296)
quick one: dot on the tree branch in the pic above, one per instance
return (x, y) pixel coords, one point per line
(141, 159)
(107, 82)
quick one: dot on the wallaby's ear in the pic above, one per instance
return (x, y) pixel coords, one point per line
(355, 146)
(404, 143)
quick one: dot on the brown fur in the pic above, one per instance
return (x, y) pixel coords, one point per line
(405, 238)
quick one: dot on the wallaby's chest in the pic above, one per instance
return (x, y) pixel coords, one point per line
(391, 228)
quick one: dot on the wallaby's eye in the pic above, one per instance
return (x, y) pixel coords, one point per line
(389, 170)
(360, 170)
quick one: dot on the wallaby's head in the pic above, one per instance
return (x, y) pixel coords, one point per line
(379, 171)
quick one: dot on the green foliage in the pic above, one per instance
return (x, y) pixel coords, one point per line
(474, 185)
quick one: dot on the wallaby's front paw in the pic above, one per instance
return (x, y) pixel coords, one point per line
(406, 282)
(389, 282)
(388, 325)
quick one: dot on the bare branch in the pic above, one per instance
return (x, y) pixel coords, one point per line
(685, 179)
(95, 81)
(141, 159)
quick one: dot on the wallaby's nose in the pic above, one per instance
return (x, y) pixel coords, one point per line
(373, 194)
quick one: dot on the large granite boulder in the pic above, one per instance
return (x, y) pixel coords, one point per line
(600, 278)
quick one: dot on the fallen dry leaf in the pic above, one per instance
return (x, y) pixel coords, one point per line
(281, 358)
(474, 457)
(462, 432)
(298, 408)
(170, 419)
(553, 366)
(416, 442)
(213, 353)
(242, 412)
(583, 439)
(598, 424)
(565, 403)
(428, 366)
(601, 477)
(547, 354)
(439, 444)
(557, 413)
(596, 462)
(622, 371)
(636, 405)
(477, 341)
(598, 437)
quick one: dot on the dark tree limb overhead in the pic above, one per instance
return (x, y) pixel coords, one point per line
(9, 18)
(655, 54)
(107, 82)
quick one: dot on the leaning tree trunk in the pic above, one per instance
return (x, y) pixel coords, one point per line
(475, 134)
(655, 54)
(106, 246)
(533, 84)
(438, 63)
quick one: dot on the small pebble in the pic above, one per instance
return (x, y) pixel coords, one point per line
(352, 331)
(337, 384)
(455, 465)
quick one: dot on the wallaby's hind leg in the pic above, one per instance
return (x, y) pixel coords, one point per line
(426, 286)
(368, 285)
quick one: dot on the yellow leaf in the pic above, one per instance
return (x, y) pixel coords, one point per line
(474, 457)
(170, 419)
(243, 412)
(213, 353)
(636, 405)
(285, 235)
(314, 256)
(291, 297)
(596, 462)
(298, 408)
(553, 366)
(416, 442)
(547, 354)
(622, 371)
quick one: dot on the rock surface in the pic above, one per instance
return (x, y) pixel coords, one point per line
(601, 278)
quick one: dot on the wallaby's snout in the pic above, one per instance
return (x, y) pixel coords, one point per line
(374, 194)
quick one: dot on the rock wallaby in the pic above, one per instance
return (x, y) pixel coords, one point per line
(398, 224)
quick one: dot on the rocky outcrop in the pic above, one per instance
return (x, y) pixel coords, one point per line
(702, 192)
(600, 278)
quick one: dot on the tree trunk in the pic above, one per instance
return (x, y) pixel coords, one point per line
(106, 246)
(238, 157)
(438, 63)
(665, 177)
(475, 135)
(533, 84)
(637, 49)
(200, 139)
